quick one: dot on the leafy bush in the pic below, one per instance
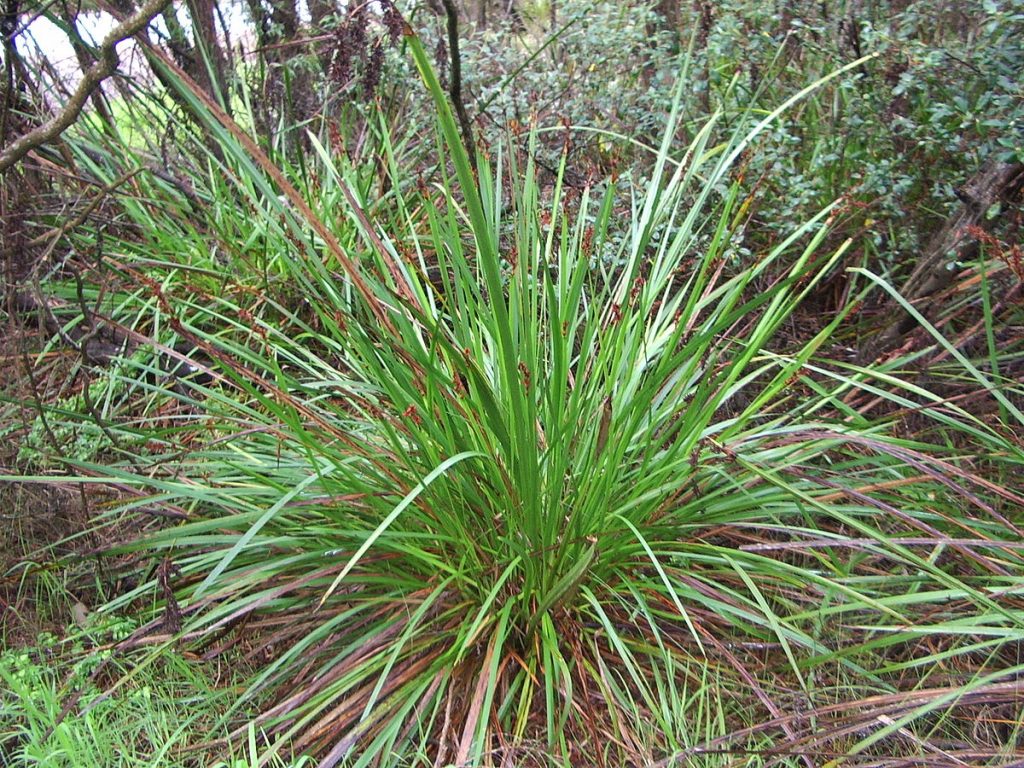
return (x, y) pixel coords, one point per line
(916, 123)
(607, 65)
(942, 97)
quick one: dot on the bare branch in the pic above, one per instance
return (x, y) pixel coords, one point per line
(103, 68)
(455, 87)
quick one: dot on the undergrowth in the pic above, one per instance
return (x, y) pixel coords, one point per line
(474, 470)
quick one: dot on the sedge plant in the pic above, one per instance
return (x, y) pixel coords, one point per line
(520, 469)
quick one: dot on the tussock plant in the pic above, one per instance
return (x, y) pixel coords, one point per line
(490, 469)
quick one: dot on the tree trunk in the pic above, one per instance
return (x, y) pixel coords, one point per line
(954, 242)
(208, 48)
(189, 55)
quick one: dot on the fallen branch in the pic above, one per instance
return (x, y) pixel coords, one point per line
(955, 242)
(104, 67)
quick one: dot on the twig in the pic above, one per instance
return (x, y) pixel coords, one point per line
(455, 86)
(56, 233)
(105, 65)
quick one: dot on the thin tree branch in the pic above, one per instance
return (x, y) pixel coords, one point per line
(104, 67)
(455, 88)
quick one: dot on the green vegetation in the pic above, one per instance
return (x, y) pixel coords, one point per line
(578, 449)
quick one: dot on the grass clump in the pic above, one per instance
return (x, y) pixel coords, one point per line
(54, 710)
(485, 483)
